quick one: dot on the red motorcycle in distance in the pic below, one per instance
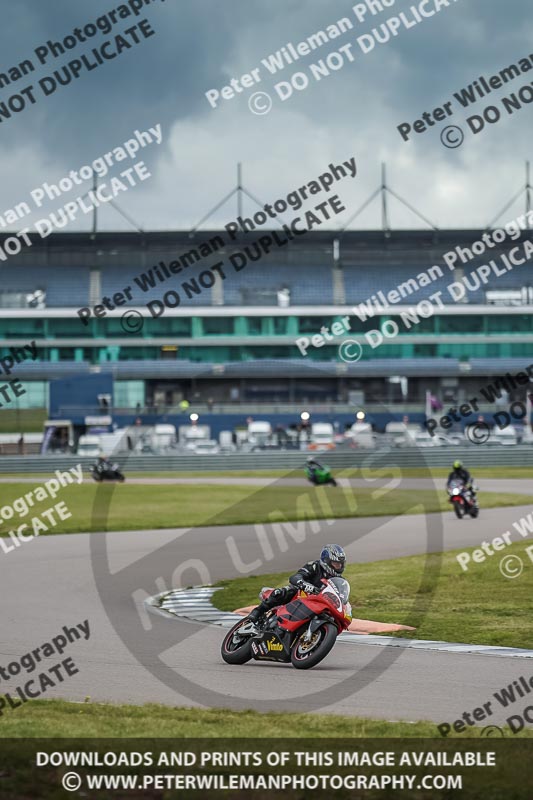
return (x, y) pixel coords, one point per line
(301, 632)
(462, 499)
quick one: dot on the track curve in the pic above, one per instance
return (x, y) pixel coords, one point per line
(49, 583)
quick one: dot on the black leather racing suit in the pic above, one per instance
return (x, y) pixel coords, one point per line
(461, 474)
(312, 572)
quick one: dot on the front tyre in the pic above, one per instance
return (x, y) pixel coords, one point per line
(333, 482)
(305, 655)
(236, 649)
(459, 510)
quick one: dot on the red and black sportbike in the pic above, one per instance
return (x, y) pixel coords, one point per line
(463, 499)
(301, 632)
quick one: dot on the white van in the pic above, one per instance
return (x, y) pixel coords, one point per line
(362, 435)
(322, 436)
(89, 446)
(163, 436)
(259, 433)
(505, 436)
(401, 434)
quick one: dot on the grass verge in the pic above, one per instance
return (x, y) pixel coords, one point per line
(57, 718)
(110, 507)
(479, 606)
(406, 472)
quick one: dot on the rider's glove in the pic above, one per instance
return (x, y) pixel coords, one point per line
(308, 588)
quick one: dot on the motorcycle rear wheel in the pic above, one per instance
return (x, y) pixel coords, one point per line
(234, 652)
(306, 655)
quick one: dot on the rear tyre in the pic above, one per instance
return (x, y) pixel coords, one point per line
(474, 513)
(236, 649)
(305, 655)
(459, 510)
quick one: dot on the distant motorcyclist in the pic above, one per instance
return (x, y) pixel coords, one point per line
(313, 466)
(459, 472)
(308, 578)
(103, 464)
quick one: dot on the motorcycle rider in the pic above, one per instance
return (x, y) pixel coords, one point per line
(308, 578)
(103, 464)
(313, 466)
(459, 472)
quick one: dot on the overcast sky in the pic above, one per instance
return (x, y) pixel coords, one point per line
(201, 44)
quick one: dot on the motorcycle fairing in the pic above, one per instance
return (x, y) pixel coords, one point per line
(268, 646)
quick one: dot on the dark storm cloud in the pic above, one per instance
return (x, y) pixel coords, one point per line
(202, 44)
(161, 79)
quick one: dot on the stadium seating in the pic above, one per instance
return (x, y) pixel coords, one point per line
(64, 286)
(308, 285)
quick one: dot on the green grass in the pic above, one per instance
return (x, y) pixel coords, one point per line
(431, 593)
(27, 420)
(350, 472)
(57, 718)
(478, 472)
(128, 507)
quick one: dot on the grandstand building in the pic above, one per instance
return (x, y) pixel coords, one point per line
(234, 338)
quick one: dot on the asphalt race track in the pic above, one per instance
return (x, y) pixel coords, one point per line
(50, 582)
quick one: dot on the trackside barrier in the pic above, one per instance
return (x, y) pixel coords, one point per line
(480, 456)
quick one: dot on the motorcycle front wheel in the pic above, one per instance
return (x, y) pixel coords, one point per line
(305, 655)
(459, 510)
(236, 649)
